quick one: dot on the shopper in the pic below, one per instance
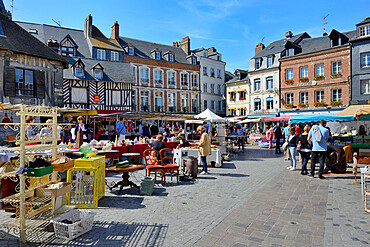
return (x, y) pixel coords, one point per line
(204, 147)
(269, 135)
(67, 130)
(278, 135)
(158, 144)
(292, 144)
(146, 130)
(121, 130)
(305, 149)
(298, 129)
(154, 129)
(81, 126)
(318, 136)
(240, 140)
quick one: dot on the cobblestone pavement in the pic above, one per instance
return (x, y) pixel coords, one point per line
(251, 201)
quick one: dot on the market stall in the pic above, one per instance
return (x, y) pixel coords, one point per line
(181, 153)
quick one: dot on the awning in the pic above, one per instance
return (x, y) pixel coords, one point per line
(232, 91)
(257, 100)
(231, 108)
(276, 119)
(270, 99)
(318, 118)
(262, 116)
(250, 121)
(242, 90)
(352, 109)
(242, 108)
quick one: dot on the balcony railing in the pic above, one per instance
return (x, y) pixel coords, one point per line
(158, 81)
(144, 80)
(158, 108)
(172, 108)
(144, 108)
(171, 82)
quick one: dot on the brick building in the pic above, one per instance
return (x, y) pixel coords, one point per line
(315, 79)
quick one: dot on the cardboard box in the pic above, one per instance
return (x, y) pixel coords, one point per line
(64, 167)
(43, 191)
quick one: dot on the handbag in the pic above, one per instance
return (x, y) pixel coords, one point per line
(299, 145)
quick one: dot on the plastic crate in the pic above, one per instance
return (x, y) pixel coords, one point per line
(82, 222)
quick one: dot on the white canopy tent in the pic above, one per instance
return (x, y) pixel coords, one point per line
(248, 120)
(210, 116)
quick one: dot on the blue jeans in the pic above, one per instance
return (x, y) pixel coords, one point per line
(305, 157)
(317, 156)
(204, 162)
(293, 161)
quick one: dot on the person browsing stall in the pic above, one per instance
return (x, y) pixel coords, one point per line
(81, 126)
(67, 129)
(158, 144)
(204, 147)
(292, 145)
(121, 130)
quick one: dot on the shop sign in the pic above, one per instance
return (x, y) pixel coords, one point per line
(97, 98)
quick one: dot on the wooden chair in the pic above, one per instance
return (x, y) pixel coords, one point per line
(166, 156)
(153, 168)
(366, 192)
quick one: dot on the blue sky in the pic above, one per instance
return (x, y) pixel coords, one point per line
(233, 27)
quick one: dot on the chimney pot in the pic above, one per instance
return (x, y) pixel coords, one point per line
(115, 31)
(88, 26)
(259, 48)
(9, 15)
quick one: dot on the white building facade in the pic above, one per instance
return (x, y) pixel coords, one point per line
(238, 95)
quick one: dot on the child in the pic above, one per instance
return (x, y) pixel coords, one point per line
(153, 158)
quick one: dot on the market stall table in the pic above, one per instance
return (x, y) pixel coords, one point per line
(363, 171)
(181, 153)
(100, 153)
(130, 155)
(171, 145)
(125, 176)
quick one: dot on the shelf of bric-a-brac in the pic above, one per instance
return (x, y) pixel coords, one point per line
(32, 213)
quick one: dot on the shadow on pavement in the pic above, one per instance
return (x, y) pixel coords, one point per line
(122, 202)
(228, 165)
(236, 175)
(206, 178)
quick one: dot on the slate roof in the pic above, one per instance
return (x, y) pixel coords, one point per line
(99, 40)
(15, 38)
(366, 21)
(321, 43)
(144, 48)
(278, 46)
(112, 71)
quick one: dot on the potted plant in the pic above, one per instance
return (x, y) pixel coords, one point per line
(232, 99)
(319, 104)
(242, 98)
(289, 81)
(289, 105)
(303, 79)
(336, 103)
(336, 75)
(302, 105)
(319, 77)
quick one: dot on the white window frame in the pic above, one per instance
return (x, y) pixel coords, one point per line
(205, 71)
(320, 69)
(212, 88)
(79, 72)
(158, 81)
(219, 74)
(320, 96)
(336, 67)
(168, 78)
(171, 101)
(205, 87)
(96, 74)
(289, 98)
(303, 72)
(364, 31)
(101, 54)
(131, 51)
(194, 60)
(187, 79)
(289, 74)
(269, 107)
(212, 72)
(158, 95)
(270, 61)
(255, 85)
(365, 59)
(171, 57)
(157, 55)
(257, 103)
(303, 97)
(257, 63)
(365, 86)
(141, 75)
(114, 56)
(336, 94)
(134, 72)
(269, 83)
(219, 89)
(185, 102)
(142, 101)
(194, 80)
(194, 103)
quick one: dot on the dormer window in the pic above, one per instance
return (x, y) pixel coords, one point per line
(98, 74)
(218, 58)
(170, 57)
(68, 47)
(157, 55)
(270, 61)
(100, 54)
(79, 72)
(290, 52)
(205, 54)
(131, 51)
(258, 63)
(193, 60)
(364, 31)
(78, 68)
(114, 56)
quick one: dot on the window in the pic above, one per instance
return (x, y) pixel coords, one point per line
(242, 95)
(133, 100)
(303, 72)
(365, 86)
(100, 54)
(157, 56)
(212, 88)
(218, 58)
(171, 78)
(233, 112)
(33, 31)
(290, 52)
(158, 77)
(319, 70)
(144, 75)
(79, 72)
(242, 112)
(219, 74)
(336, 67)
(194, 102)
(134, 72)
(205, 102)
(212, 72)
(114, 56)
(67, 48)
(269, 83)
(212, 104)
(194, 60)
(270, 61)
(257, 63)
(270, 103)
(158, 102)
(364, 31)
(289, 98)
(24, 82)
(116, 97)
(79, 95)
(303, 97)
(185, 102)
(171, 99)
(194, 80)
(205, 71)
(289, 74)
(257, 85)
(232, 96)
(365, 59)
(170, 57)
(205, 87)
(205, 54)
(257, 104)
(131, 51)
(219, 105)
(319, 96)
(98, 74)
(144, 101)
(184, 79)
(336, 95)
(219, 89)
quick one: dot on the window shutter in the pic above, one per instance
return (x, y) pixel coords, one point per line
(9, 87)
(40, 84)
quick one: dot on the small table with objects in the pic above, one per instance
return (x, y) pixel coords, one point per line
(125, 176)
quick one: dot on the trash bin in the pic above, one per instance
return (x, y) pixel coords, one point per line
(192, 166)
(147, 186)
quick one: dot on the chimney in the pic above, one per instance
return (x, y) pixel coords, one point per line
(88, 26)
(115, 31)
(185, 45)
(259, 48)
(9, 15)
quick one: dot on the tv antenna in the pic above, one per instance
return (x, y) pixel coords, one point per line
(263, 39)
(325, 22)
(12, 6)
(56, 22)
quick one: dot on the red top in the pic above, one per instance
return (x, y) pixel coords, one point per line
(298, 130)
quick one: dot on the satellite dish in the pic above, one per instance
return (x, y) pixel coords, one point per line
(314, 83)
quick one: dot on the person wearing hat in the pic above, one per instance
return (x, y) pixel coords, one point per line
(67, 130)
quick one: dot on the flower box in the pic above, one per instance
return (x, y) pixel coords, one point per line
(290, 105)
(302, 105)
(336, 103)
(303, 79)
(336, 75)
(319, 104)
(319, 77)
(242, 98)
(289, 81)
(232, 99)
